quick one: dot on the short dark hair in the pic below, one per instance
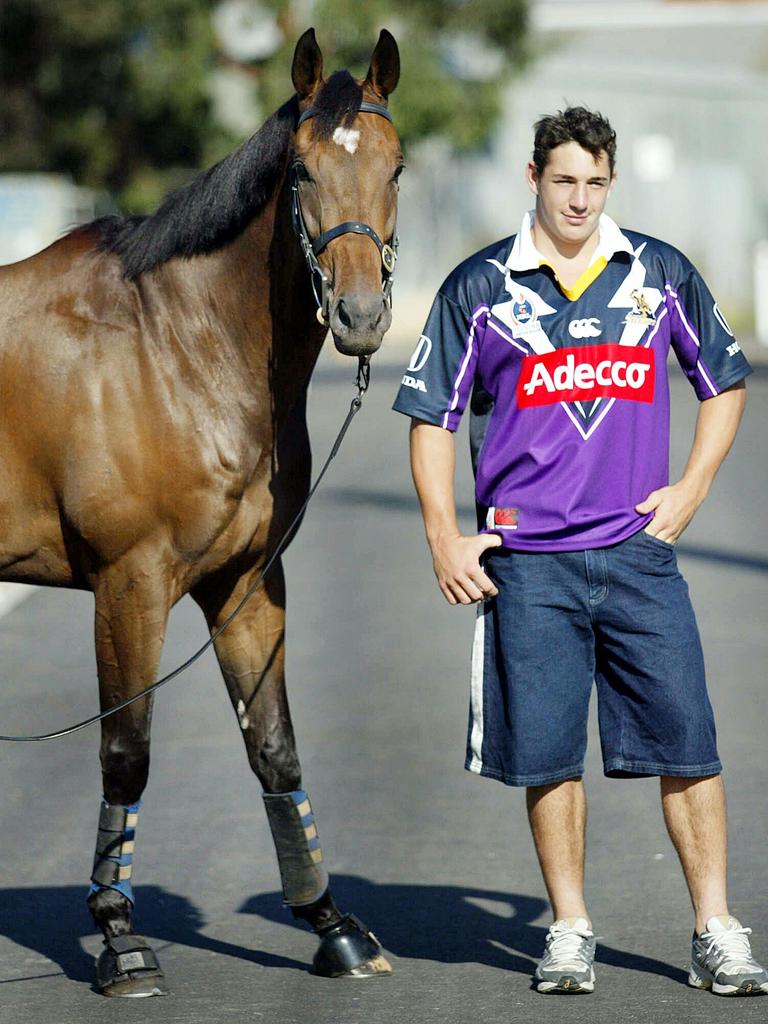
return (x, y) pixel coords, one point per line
(589, 128)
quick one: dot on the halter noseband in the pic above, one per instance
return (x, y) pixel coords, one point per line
(312, 249)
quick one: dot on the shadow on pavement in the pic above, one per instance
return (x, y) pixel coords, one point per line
(452, 924)
(445, 924)
(52, 920)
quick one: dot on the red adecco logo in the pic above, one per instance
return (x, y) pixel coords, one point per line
(580, 374)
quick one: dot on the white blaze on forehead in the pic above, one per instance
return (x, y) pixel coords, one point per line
(347, 137)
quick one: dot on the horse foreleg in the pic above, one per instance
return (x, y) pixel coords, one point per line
(131, 617)
(252, 658)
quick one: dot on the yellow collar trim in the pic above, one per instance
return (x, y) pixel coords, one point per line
(593, 271)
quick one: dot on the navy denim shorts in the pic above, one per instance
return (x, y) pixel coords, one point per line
(619, 616)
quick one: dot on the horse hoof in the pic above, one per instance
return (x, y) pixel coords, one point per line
(349, 950)
(129, 968)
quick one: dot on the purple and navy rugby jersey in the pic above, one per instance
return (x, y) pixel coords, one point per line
(569, 389)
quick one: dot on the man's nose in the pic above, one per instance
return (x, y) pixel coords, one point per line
(579, 197)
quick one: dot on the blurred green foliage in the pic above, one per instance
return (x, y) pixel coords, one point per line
(117, 92)
(112, 91)
(432, 98)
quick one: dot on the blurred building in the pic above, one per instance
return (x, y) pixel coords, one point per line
(685, 84)
(36, 209)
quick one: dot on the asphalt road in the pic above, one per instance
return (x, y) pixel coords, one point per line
(438, 862)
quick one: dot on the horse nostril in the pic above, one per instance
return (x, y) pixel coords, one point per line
(343, 312)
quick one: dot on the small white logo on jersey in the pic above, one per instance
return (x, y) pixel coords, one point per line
(721, 320)
(414, 382)
(420, 354)
(733, 349)
(585, 328)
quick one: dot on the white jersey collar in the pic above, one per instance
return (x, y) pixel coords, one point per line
(525, 256)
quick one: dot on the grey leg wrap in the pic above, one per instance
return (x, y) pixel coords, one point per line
(297, 845)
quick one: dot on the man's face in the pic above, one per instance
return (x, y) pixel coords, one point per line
(571, 193)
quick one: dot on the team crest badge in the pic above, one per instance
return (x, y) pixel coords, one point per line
(642, 312)
(523, 312)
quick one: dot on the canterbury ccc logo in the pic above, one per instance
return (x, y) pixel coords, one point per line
(585, 328)
(583, 373)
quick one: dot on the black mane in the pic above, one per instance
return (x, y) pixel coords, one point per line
(217, 205)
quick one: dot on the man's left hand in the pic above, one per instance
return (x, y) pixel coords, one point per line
(673, 508)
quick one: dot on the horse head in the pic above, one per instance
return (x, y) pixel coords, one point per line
(345, 169)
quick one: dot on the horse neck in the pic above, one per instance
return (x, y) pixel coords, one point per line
(255, 294)
(268, 309)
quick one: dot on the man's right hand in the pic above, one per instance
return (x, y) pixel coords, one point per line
(456, 560)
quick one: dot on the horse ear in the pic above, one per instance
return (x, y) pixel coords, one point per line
(384, 72)
(307, 69)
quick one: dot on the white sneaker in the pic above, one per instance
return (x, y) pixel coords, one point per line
(721, 960)
(569, 953)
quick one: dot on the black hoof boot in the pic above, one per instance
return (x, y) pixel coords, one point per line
(349, 950)
(128, 967)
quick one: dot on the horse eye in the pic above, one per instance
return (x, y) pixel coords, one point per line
(302, 174)
(398, 172)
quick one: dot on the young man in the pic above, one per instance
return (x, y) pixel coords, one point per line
(561, 335)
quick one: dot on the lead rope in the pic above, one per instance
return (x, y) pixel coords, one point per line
(362, 382)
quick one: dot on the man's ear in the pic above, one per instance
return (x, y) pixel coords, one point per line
(532, 177)
(614, 176)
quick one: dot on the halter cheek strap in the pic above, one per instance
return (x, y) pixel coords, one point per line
(313, 248)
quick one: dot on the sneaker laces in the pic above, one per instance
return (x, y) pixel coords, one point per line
(566, 944)
(733, 945)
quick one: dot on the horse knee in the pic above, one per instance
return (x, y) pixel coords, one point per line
(277, 766)
(125, 769)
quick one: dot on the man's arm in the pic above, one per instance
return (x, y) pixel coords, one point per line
(456, 559)
(716, 426)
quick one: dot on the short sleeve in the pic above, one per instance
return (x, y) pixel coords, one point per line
(438, 379)
(703, 342)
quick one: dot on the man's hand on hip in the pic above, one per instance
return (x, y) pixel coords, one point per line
(673, 508)
(456, 560)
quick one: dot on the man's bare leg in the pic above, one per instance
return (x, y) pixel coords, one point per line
(694, 812)
(558, 817)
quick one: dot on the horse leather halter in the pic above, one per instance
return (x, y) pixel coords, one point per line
(312, 249)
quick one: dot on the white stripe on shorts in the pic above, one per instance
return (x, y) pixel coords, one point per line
(476, 689)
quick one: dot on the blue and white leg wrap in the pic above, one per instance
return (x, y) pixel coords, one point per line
(297, 844)
(113, 863)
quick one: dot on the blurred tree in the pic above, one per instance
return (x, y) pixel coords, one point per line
(112, 91)
(456, 55)
(117, 92)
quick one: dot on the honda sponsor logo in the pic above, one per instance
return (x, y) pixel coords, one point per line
(413, 382)
(420, 354)
(585, 328)
(721, 319)
(581, 374)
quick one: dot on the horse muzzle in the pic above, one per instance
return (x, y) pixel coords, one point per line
(359, 322)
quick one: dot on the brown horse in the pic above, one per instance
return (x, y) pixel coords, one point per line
(153, 376)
